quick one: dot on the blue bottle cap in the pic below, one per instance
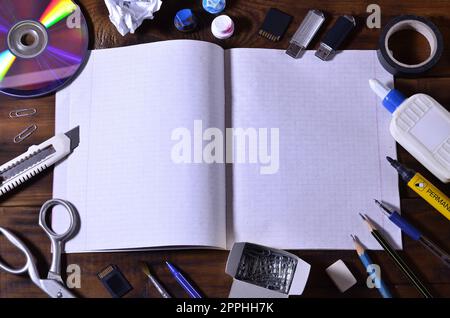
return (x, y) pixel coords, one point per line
(185, 20)
(393, 99)
(214, 6)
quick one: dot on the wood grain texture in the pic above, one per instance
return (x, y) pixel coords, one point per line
(19, 211)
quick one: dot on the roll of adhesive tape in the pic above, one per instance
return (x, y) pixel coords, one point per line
(420, 25)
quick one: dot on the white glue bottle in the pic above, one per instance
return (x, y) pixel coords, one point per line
(421, 125)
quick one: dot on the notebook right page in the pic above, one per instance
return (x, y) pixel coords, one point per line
(333, 140)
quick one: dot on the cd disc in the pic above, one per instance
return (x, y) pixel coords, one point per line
(43, 45)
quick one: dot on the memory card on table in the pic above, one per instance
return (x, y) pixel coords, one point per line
(275, 25)
(114, 281)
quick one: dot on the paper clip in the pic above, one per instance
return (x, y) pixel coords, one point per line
(26, 133)
(27, 112)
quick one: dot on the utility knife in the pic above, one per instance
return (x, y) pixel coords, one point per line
(37, 159)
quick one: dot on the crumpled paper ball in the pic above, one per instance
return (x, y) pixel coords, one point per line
(127, 16)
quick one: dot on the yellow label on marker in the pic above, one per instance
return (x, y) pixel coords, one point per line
(431, 194)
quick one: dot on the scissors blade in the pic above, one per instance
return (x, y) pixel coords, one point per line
(55, 289)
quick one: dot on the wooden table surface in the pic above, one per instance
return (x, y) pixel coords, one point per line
(19, 211)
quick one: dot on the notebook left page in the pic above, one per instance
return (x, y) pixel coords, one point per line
(130, 103)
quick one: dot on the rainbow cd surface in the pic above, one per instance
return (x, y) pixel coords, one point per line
(43, 45)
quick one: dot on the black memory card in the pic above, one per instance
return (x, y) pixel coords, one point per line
(114, 281)
(275, 25)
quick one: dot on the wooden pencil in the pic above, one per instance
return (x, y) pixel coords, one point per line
(367, 261)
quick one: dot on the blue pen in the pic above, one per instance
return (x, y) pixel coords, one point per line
(365, 259)
(183, 281)
(414, 233)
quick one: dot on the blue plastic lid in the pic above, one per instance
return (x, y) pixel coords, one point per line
(214, 6)
(393, 100)
(185, 20)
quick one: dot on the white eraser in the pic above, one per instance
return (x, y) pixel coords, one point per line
(341, 276)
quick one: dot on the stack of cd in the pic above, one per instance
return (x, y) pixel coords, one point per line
(43, 45)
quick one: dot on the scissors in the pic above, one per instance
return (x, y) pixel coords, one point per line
(53, 285)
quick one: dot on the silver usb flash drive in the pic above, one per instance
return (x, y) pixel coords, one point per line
(305, 33)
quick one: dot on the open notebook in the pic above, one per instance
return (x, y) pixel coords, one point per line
(129, 102)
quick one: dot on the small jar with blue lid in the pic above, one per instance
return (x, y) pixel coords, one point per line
(185, 20)
(214, 6)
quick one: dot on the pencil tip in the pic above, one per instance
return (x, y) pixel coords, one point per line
(377, 202)
(358, 246)
(362, 216)
(390, 159)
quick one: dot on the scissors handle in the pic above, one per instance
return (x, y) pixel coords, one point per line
(58, 240)
(21, 246)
